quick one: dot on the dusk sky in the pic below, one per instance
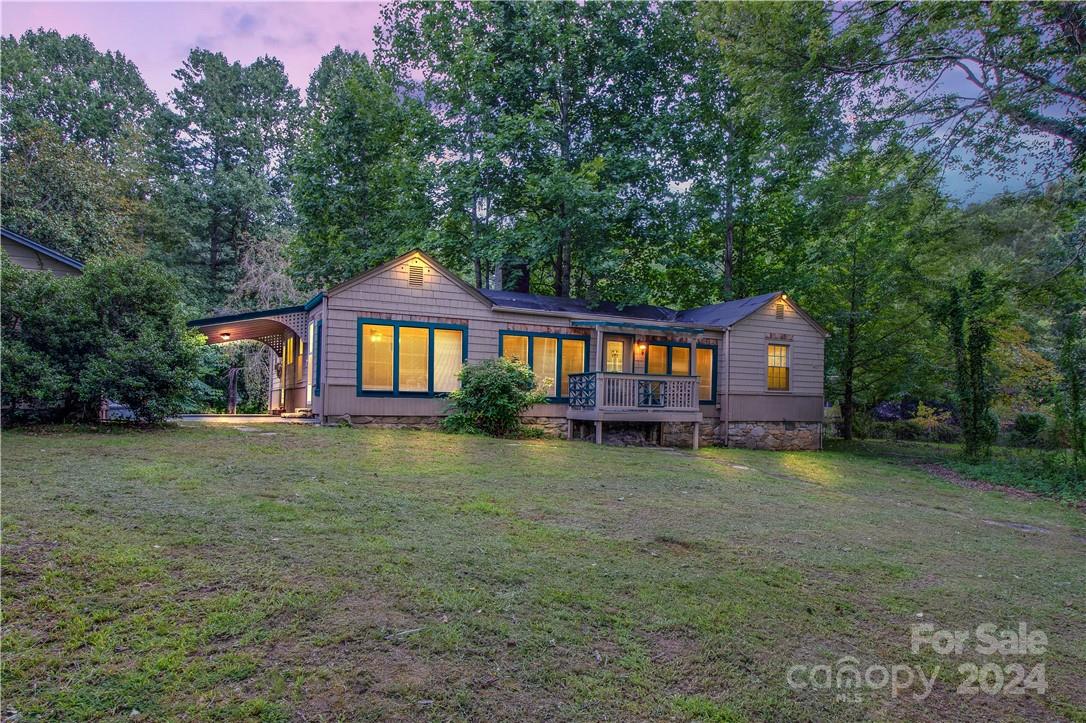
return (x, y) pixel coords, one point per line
(157, 36)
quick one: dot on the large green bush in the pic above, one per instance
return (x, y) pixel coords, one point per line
(115, 333)
(492, 397)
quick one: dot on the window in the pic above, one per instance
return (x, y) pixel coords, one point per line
(409, 358)
(680, 360)
(448, 359)
(414, 359)
(553, 357)
(516, 348)
(777, 370)
(317, 363)
(673, 358)
(299, 360)
(616, 355)
(657, 359)
(309, 366)
(377, 343)
(706, 368)
(574, 352)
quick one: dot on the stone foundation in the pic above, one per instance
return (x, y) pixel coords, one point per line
(775, 435)
(392, 422)
(551, 426)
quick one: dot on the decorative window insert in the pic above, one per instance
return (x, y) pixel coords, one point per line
(553, 358)
(674, 358)
(407, 358)
(777, 376)
(615, 355)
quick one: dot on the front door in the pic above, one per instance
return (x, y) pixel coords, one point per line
(616, 354)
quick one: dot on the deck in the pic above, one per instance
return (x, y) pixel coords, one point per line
(613, 397)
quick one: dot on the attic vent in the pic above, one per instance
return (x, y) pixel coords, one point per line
(780, 311)
(414, 276)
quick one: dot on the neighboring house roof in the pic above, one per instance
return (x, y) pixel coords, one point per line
(39, 248)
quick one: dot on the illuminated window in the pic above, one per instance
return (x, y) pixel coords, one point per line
(448, 359)
(552, 357)
(299, 360)
(377, 357)
(706, 371)
(777, 371)
(615, 352)
(573, 356)
(414, 359)
(657, 359)
(309, 366)
(545, 363)
(515, 347)
(680, 360)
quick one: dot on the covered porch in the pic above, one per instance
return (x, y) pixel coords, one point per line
(643, 373)
(282, 331)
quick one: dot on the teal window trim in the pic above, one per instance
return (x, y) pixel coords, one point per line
(317, 359)
(396, 326)
(558, 362)
(693, 362)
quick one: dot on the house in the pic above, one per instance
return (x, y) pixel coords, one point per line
(386, 346)
(34, 256)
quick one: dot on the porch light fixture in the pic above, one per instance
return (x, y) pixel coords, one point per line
(642, 346)
(225, 335)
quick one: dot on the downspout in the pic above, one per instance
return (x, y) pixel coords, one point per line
(727, 384)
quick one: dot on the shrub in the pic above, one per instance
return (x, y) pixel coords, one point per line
(113, 333)
(493, 394)
(1028, 429)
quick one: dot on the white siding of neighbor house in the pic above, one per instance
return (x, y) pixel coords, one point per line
(30, 259)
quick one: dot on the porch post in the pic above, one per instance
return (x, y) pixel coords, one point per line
(599, 432)
(599, 349)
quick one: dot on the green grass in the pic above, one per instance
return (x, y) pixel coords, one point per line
(1045, 472)
(320, 574)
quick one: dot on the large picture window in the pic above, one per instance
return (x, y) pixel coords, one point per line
(777, 368)
(673, 358)
(409, 358)
(309, 365)
(553, 357)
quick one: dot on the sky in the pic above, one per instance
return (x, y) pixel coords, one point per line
(157, 37)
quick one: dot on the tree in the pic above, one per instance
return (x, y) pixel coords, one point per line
(1003, 80)
(93, 99)
(225, 153)
(869, 227)
(115, 332)
(360, 176)
(971, 339)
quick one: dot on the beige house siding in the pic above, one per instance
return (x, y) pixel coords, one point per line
(34, 261)
(752, 335)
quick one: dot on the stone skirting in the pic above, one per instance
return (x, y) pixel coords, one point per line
(389, 422)
(775, 435)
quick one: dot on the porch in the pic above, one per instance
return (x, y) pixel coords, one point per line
(644, 373)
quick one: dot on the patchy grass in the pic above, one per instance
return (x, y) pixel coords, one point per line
(208, 573)
(1046, 472)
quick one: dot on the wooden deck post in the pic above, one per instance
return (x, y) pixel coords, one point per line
(599, 432)
(697, 435)
(569, 429)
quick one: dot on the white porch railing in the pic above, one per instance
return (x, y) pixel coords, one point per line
(613, 392)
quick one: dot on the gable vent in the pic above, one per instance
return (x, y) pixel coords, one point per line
(414, 276)
(780, 311)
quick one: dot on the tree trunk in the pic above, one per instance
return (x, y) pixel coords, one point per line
(848, 370)
(729, 243)
(232, 390)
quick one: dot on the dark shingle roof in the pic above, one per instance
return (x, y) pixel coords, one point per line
(538, 302)
(725, 313)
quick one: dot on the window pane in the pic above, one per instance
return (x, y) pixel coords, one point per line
(309, 367)
(777, 375)
(616, 355)
(680, 360)
(414, 359)
(705, 374)
(572, 361)
(448, 358)
(515, 347)
(377, 357)
(657, 363)
(545, 363)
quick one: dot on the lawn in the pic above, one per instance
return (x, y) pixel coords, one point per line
(293, 572)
